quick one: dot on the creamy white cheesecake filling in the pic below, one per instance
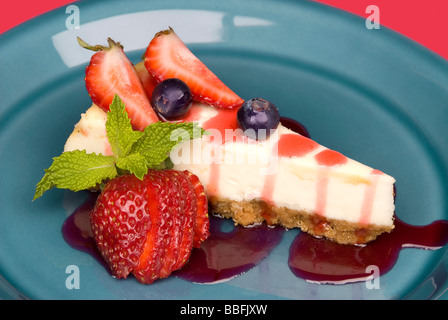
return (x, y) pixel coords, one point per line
(90, 133)
(352, 192)
(242, 169)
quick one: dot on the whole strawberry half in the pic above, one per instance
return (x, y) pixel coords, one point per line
(167, 56)
(110, 72)
(148, 227)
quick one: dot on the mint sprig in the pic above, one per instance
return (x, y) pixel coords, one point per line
(119, 130)
(134, 152)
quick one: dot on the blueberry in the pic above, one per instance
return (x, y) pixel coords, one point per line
(171, 99)
(257, 117)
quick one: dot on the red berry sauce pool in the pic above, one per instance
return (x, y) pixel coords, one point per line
(323, 261)
(229, 253)
(77, 232)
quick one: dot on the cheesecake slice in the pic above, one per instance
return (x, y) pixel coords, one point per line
(286, 179)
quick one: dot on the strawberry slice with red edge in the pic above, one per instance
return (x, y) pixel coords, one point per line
(167, 56)
(176, 200)
(110, 72)
(189, 216)
(151, 261)
(201, 228)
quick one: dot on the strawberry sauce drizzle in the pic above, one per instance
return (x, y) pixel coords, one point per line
(225, 119)
(289, 145)
(327, 158)
(225, 255)
(321, 191)
(292, 145)
(322, 261)
(369, 196)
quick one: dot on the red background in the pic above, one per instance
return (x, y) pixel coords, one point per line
(422, 21)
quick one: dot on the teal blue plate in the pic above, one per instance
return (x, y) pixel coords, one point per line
(370, 93)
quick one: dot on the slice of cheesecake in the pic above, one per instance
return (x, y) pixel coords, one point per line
(286, 179)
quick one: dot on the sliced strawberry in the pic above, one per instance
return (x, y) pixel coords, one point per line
(175, 203)
(120, 224)
(147, 227)
(189, 214)
(110, 72)
(151, 260)
(168, 57)
(148, 81)
(201, 228)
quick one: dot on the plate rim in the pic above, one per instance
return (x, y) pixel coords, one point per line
(39, 19)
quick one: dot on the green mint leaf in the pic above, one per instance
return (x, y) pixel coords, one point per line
(77, 170)
(43, 185)
(134, 163)
(120, 134)
(161, 137)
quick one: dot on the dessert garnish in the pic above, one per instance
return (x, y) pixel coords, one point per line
(134, 152)
(171, 98)
(148, 217)
(258, 118)
(167, 56)
(111, 73)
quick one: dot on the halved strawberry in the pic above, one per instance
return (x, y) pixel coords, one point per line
(110, 72)
(168, 57)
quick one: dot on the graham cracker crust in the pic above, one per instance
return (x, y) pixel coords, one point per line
(252, 212)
